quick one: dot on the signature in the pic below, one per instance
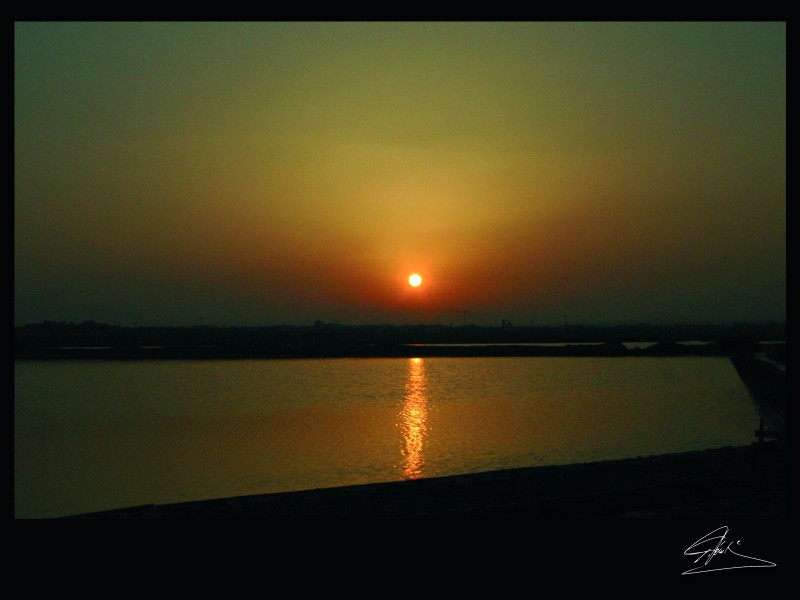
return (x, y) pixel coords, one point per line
(704, 548)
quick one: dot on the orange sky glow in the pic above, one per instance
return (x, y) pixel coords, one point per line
(269, 173)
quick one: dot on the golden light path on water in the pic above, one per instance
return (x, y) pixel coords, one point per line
(413, 420)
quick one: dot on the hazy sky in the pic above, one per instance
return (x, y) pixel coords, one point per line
(269, 173)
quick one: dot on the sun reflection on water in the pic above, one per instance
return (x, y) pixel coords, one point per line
(413, 420)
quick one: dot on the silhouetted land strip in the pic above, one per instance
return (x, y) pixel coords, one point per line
(53, 340)
(735, 482)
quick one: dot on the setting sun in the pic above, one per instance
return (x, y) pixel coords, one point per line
(414, 280)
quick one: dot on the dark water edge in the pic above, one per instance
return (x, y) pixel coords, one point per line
(746, 482)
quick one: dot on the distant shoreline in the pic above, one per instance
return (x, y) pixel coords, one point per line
(90, 340)
(312, 351)
(370, 351)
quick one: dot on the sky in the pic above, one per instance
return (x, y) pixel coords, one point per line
(185, 173)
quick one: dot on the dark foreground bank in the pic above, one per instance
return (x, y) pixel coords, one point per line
(733, 483)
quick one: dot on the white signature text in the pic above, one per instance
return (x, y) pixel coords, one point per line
(715, 544)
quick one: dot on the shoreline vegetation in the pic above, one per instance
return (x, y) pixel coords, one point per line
(735, 482)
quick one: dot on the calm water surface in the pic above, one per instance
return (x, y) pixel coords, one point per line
(98, 435)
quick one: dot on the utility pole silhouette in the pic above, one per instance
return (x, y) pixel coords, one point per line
(462, 312)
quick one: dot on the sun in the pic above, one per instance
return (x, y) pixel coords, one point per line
(414, 280)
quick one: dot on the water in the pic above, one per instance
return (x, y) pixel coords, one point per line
(96, 435)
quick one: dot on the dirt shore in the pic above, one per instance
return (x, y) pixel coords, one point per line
(747, 482)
